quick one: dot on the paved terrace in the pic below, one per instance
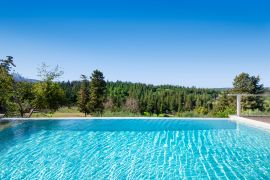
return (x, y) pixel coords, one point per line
(257, 121)
(265, 119)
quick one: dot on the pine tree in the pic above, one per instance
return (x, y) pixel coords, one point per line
(246, 84)
(97, 92)
(83, 96)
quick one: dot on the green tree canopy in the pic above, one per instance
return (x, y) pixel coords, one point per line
(48, 94)
(83, 96)
(7, 63)
(23, 96)
(246, 84)
(97, 92)
(6, 85)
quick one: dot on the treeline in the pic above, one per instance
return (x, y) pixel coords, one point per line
(167, 100)
(149, 99)
(93, 95)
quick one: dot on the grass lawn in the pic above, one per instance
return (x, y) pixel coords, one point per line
(73, 112)
(62, 112)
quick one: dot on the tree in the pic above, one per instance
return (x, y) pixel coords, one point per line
(151, 99)
(6, 84)
(246, 84)
(108, 105)
(83, 96)
(201, 110)
(7, 63)
(224, 105)
(132, 105)
(48, 94)
(47, 74)
(19, 95)
(97, 92)
(23, 96)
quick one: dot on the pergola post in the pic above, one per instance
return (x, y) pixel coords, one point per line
(239, 97)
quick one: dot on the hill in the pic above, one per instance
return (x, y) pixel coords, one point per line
(18, 78)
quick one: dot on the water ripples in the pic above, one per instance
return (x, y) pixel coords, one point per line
(202, 154)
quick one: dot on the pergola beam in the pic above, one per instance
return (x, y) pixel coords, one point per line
(260, 95)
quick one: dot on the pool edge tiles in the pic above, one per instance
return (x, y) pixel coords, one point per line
(91, 118)
(133, 124)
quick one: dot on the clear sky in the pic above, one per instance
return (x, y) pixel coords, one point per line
(183, 42)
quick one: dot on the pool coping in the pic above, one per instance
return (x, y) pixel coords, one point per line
(104, 118)
(251, 122)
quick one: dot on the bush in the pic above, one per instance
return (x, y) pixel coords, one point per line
(108, 113)
(224, 114)
(201, 110)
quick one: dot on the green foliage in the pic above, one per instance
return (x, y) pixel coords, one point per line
(83, 96)
(224, 105)
(7, 63)
(201, 110)
(5, 89)
(159, 99)
(189, 114)
(246, 84)
(123, 113)
(6, 85)
(71, 90)
(255, 112)
(23, 95)
(123, 98)
(224, 113)
(48, 96)
(243, 84)
(155, 100)
(267, 104)
(146, 114)
(15, 96)
(97, 92)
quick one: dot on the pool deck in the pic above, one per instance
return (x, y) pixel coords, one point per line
(265, 119)
(256, 121)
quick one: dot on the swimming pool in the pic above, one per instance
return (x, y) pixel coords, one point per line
(134, 149)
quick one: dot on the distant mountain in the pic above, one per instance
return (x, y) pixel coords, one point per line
(17, 77)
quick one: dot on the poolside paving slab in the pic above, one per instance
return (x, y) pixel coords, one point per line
(257, 121)
(265, 119)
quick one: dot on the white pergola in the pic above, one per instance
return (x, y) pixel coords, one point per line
(239, 97)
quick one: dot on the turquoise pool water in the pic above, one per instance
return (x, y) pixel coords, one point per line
(134, 149)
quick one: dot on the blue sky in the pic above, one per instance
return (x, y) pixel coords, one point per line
(184, 42)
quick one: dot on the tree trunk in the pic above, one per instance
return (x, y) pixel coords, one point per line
(17, 100)
(31, 112)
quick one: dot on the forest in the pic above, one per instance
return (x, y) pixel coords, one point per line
(93, 96)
